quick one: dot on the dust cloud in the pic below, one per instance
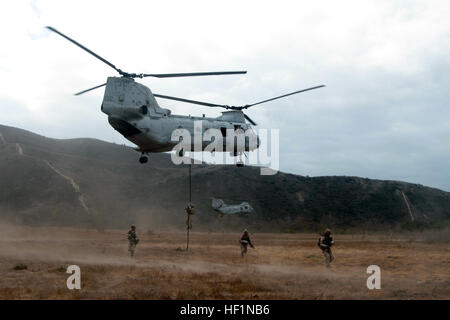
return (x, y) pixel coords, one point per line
(282, 266)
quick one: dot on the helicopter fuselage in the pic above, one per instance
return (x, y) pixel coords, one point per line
(134, 112)
(219, 206)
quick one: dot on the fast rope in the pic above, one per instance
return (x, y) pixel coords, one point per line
(189, 208)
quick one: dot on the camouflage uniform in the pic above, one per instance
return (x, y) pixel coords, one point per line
(245, 241)
(190, 211)
(325, 242)
(132, 240)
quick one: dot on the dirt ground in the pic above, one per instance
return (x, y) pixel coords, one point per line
(283, 266)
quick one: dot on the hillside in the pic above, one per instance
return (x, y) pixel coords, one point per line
(87, 182)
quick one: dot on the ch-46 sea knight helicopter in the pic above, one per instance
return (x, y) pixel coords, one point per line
(134, 112)
(219, 206)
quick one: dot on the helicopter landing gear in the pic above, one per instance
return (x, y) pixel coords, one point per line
(143, 159)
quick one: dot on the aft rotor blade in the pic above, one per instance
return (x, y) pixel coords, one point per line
(85, 49)
(93, 88)
(285, 95)
(189, 101)
(192, 74)
(250, 120)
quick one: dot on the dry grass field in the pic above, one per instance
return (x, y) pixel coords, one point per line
(283, 266)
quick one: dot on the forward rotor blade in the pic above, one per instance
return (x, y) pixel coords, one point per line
(93, 88)
(192, 74)
(85, 49)
(250, 120)
(189, 101)
(285, 95)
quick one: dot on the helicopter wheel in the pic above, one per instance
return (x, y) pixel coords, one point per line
(143, 159)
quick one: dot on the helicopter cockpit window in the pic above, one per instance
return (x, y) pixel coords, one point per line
(238, 129)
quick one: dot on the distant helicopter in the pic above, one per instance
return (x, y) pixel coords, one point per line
(134, 112)
(224, 209)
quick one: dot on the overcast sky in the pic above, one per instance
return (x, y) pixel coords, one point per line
(384, 113)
